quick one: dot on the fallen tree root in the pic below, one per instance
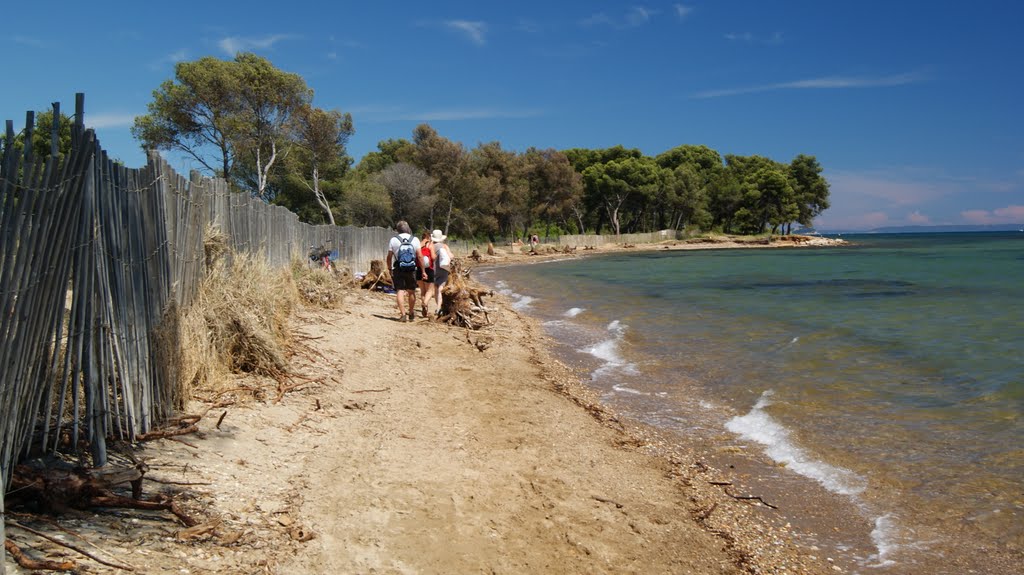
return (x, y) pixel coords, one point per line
(55, 490)
(158, 504)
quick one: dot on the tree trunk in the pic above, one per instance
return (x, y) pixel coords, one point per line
(320, 197)
(263, 172)
(448, 218)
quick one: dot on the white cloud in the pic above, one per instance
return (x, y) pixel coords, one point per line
(232, 45)
(861, 221)
(529, 26)
(102, 121)
(172, 58)
(379, 114)
(740, 37)
(913, 195)
(636, 16)
(896, 188)
(471, 114)
(826, 82)
(474, 30)
(28, 41)
(749, 38)
(918, 218)
(682, 11)
(1006, 215)
(596, 19)
(876, 198)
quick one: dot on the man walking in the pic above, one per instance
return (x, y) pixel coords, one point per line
(406, 268)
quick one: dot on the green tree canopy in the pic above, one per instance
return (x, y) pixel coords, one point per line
(810, 187)
(221, 113)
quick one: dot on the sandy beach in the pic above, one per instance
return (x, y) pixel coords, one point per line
(424, 448)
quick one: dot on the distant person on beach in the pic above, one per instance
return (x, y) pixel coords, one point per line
(442, 264)
(533, 242)
(427, 279)
(406, 266)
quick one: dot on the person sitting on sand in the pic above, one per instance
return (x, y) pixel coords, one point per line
(426, 280)
(442, 264)
(406, 266)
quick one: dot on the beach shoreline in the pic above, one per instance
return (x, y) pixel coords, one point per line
(424, 448)
(518, 252)
(876, 529)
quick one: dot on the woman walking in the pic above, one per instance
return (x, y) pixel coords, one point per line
(426, 280)
(442, 264)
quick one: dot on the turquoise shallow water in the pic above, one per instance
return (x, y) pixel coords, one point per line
(889, 372)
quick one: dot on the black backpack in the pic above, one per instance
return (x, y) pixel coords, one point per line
(405, 259)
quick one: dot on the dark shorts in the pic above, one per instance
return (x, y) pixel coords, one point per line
(404, 280)
(440, 276)
(430, 276)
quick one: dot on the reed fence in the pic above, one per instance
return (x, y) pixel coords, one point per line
(96, 260)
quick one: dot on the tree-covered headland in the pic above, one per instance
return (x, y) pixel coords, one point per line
(257, 127)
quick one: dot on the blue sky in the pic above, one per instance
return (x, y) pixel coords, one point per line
(912, 107)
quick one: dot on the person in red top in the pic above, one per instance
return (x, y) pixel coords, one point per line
(426, 281)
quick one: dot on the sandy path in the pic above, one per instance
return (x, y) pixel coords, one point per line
(468, 462)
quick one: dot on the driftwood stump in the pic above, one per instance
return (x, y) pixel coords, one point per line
(378, 277)
(462, 301)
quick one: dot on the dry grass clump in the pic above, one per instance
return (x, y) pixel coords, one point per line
(321, 288)
(215, 246)
(236, 323)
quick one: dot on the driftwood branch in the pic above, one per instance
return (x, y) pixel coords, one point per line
(726, 484)
(750, 498)
(35, 564)
(74, 548)
(606, 500)
(165, 433)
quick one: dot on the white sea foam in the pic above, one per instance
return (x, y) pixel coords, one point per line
(522, 302)
(883, 536)
(573, 312)
(519, 301)
(758, 426)
(625, 389)
(608, 352)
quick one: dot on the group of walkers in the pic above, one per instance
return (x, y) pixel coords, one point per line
(422, 263)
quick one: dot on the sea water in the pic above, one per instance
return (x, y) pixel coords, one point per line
(888, 373)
